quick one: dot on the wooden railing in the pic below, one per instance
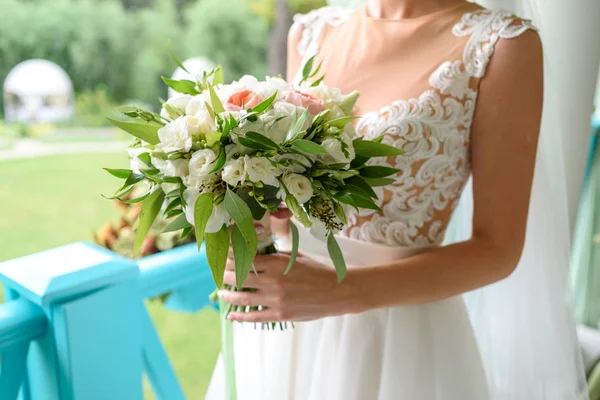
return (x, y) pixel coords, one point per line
(74, 325)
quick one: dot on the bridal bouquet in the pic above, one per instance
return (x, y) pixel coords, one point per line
(220, 156)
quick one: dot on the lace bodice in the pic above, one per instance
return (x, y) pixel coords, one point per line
(432, 125)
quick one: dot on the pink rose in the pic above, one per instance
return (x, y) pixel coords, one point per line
(299, 99)
(242, 100)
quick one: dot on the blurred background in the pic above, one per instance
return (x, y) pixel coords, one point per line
(65, 65)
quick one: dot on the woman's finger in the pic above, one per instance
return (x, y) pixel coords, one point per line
(282, 213)
(243, 299)
(266, 316)
(253, 281)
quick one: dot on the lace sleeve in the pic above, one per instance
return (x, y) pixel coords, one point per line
(486, 28)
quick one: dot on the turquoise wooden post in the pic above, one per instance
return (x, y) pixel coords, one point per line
(93, 348)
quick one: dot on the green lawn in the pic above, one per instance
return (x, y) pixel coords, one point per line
(51, 201)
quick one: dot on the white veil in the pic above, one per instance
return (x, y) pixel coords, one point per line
(524, 324)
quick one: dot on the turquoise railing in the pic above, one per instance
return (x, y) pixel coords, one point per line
(74, 325)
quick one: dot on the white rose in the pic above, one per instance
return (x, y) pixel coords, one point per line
(171, 168)
(325, 93)
(234, 172)
(280, 85)
(259, 169)
(197, 105)
(205, 184)
(218, 217)
(174, 137)
(179, 103)
(135, 164)
(202, 162)
(334, 148)
(234, 149)
(298, 186)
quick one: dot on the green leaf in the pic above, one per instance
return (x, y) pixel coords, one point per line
(137, 200)
(262, 139)
(251, 144)
(217, 247)
(186, 232)
(150, 209)
(318, 81)
(173, 205)
(355, 190)
(346, 198)
(119, 173)
(264, 105)
(336, 257)
(220, 161)
(369, 148)
(203, 209)
(218, 78)
(177, 224)
(216, 102)
(179, 63)
(307, 68)
(374, 182)
(310, 147)
(146, 159)
(243, 254)
(213, 138)
(316, 71)
(173, 213)
(361, 183)
(173, 193)
(349, 102)
(340, 123)
(294, 252)
(182, 86)
(120, 193)
(358, 161)
(241, 214)
(257, 211)
(297, 125)
(147, 131)
(132, 179)
(339, 211)
(377, 171)
(297, 210)
(365, 202)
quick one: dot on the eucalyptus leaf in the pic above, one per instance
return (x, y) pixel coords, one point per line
(213, 138)
(257, 211)
(369, 148)
(217, 106)
(241, 214)
(186, 231)
(220, 161)
(173, 213)
(307, 68)
(358, 162)
(120, 193)
(262, 139)
(336, 257)
(173, 205)
(295, 242)
(218, 78)
(297, 210)
(374, 182)
(147, 131)
(297, 126)
(150, 209)
(243, 254)
(136, 200)
(177, 224)
(340, 123)
(251, 144)
(119, 173)
(203, 209)
(133, 178)
(377, 171)
(362, 183)
(310, 147)
(264, 105)
(217, 248)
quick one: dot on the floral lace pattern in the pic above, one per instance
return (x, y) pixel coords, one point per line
(433, 129)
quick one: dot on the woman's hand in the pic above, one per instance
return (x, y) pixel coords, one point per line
(310, 291)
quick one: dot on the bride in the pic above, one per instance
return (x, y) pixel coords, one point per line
(460, 89)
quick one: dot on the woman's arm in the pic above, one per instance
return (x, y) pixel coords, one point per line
(504, 143)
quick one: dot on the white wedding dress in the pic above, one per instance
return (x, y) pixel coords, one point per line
(421, 352)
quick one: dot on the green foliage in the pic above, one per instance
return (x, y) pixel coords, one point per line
(226, 32)
(266, 8)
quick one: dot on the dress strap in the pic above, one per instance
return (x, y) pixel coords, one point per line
(486, 27)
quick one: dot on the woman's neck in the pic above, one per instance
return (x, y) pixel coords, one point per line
(404, 9)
